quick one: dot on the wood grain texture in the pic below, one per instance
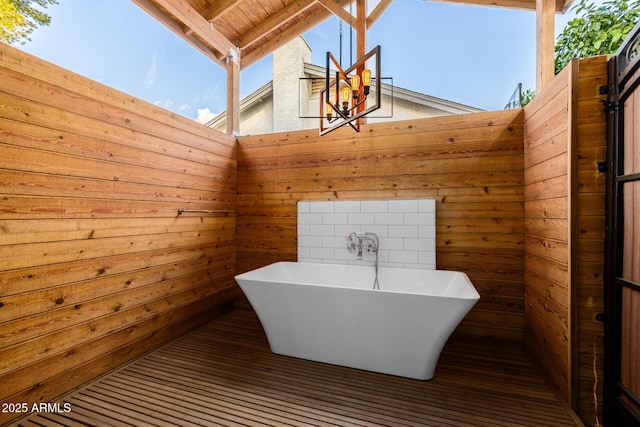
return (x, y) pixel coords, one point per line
(565, 138)
(471, 164)
(224, 374)
(96, 266)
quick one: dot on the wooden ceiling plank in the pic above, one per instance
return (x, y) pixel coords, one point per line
(274, 21)
(377, 12)
(168, 22)
(510, 4)
(337, 9)
(200, 26)
(219, 8)
(284, 37)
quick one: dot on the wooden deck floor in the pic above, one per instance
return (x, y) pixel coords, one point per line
(223, 374)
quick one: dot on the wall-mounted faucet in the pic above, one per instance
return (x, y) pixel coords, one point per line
(358, 240)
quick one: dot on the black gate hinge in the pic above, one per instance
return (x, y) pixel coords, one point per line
(609, 106)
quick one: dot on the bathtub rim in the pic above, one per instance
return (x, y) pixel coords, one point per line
(470, 292)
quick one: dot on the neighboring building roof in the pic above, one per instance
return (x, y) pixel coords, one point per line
(247, 102)
(290, 63)
(407, 95)
(266, 91)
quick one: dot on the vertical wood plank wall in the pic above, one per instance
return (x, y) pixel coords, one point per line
(565, 138)
(472, 164)
(590, 230)
(96, 267)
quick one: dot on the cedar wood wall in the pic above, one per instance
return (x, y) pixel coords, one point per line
(95, 265)
(565, 138)
(471, 164)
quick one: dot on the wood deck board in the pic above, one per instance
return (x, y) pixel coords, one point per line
(223, 374)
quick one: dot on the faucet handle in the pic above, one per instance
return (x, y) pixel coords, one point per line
(351, 244)
(371, 247)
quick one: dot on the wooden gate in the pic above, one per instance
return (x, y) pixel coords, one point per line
(622, 289)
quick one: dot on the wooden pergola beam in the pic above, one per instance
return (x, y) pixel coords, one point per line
(377, 12)
(233, 94)
(336, 8)
(165, 20)
(219, 8)
(286, 36)
(560, 5)
(192, 19)
(545, 42)
(274, 21)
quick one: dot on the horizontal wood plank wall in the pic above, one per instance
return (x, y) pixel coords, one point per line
(565, 138)
(96, 266)
(590, 221)
(472, 164)
(547, 248)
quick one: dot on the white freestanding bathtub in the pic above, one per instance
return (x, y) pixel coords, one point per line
(331, 313)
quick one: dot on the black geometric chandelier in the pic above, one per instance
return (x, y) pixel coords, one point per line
(345, 99)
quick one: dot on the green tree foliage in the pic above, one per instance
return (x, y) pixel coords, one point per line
(18, 19)
(526, 97)
(596, 30)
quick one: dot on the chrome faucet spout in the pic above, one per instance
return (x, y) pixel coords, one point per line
(369, 241)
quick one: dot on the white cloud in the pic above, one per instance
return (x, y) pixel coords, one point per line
(152, 72)
(165, 104)
(204, 115)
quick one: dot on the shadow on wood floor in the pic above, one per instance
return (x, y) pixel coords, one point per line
(223, 374)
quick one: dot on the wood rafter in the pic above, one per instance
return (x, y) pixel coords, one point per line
(286, 35)
(337, 9)
(249, 30)
(377, 12)
(153, 10)
(195, 22)
(219, 8)
(274, 21)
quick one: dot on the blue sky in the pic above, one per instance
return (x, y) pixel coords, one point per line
(467, 54)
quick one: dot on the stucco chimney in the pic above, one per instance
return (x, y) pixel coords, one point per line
(288, 67)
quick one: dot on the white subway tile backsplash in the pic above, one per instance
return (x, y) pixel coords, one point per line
(303, 252)
(334, 218)
(403, 205)
(427, 231)
(334, 242)
(406, 229)
(321, 207)
(310, 241)
(303, 207)
(303, 229)
(390, 218)
(375, 206)
(393, 244)
(380, 230)
(427, 205)
(361, 218)
(345, 230)
(309, 218)
(321, 230)
(410, 231)
(428, 258)
(418, 244)
(347, 207)
(404, 256)
(322, 253)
